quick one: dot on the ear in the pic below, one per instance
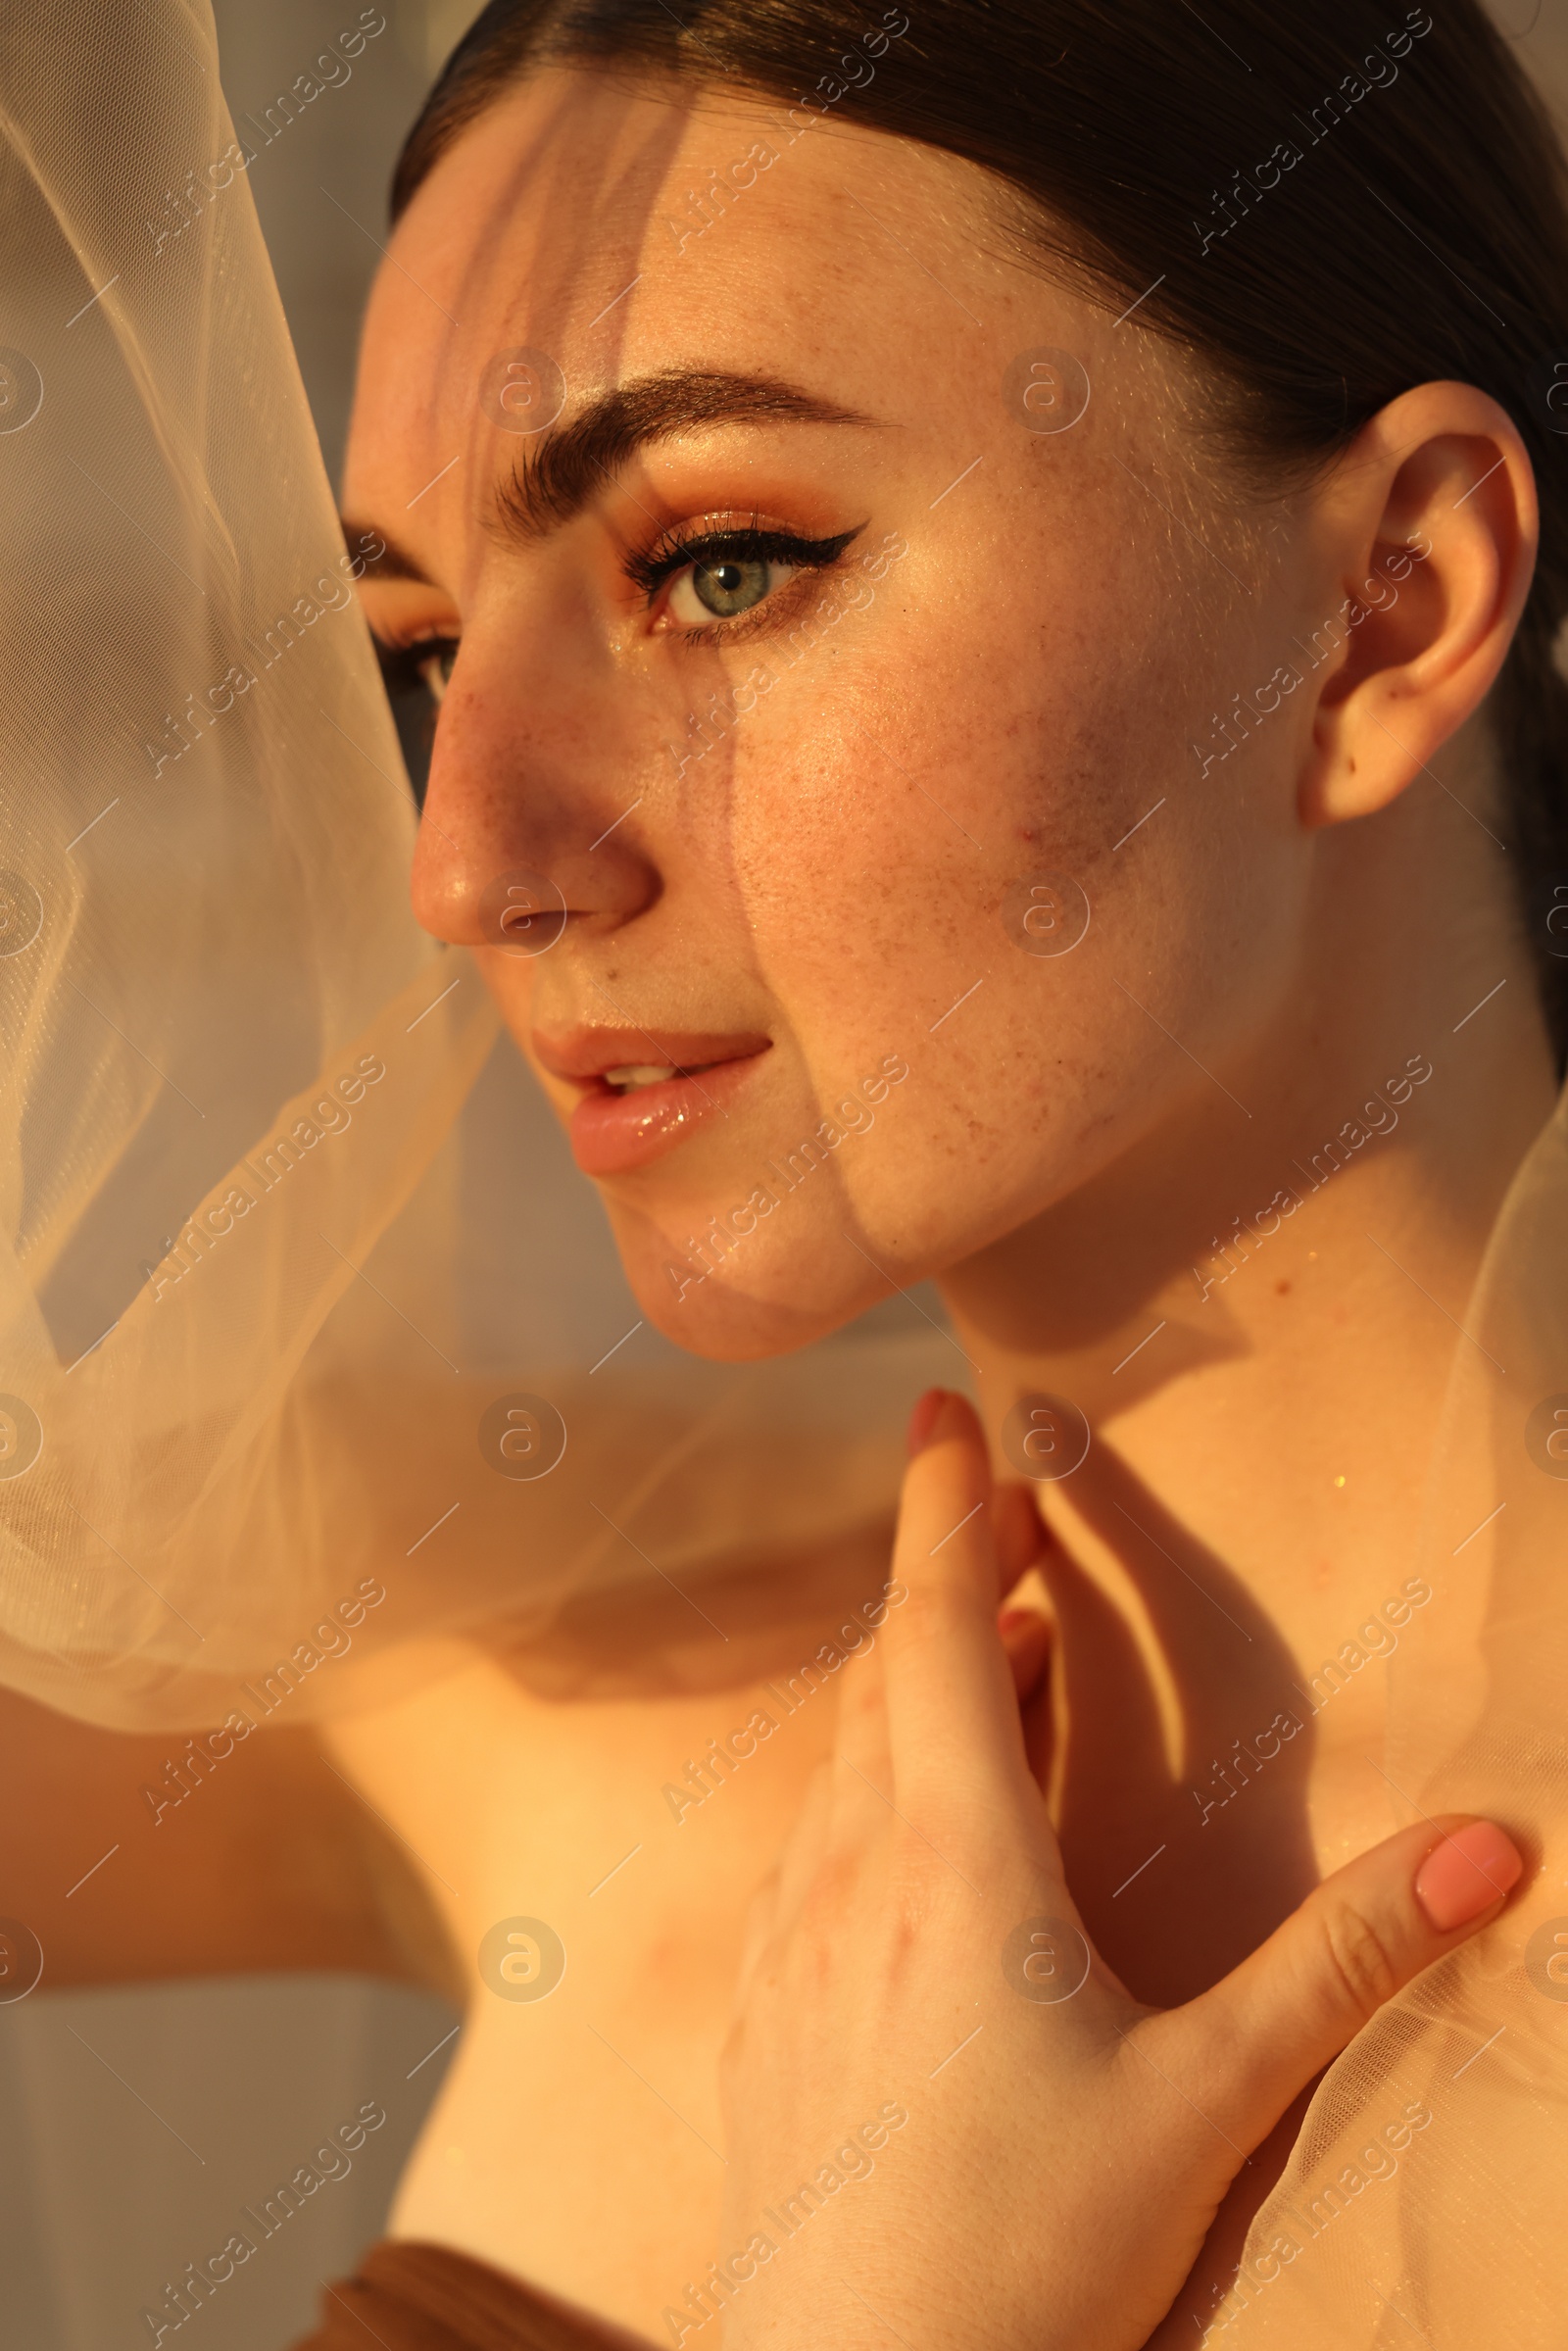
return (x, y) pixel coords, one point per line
(1427, 529)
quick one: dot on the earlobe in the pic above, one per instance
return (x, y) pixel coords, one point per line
(1432, 517)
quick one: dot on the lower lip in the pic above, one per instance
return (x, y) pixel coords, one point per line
(611, 1134)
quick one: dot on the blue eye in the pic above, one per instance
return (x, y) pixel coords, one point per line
(723, 590)
(723, 576)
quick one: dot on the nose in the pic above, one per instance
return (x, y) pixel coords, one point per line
(535, 778)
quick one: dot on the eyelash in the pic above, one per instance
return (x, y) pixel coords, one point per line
(673, 554)
(404, 666)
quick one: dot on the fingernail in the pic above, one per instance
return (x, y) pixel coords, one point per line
(1016, 1620)
(924, 1418)
(1466, 1874)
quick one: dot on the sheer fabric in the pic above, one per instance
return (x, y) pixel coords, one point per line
(240, 1432)
(1426, 2194)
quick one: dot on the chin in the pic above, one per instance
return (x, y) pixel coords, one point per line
(743, 1307)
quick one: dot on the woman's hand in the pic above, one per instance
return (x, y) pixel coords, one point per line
(950, 2124)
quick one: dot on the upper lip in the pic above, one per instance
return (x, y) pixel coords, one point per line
(584, 1054)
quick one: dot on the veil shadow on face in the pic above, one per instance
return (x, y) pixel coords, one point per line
(567, 229)
(243, 1409)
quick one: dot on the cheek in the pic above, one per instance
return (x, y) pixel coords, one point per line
(884, 833)
(886, 842)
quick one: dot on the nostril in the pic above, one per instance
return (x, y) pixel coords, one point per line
(522, 913)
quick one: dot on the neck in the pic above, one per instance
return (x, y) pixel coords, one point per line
(1256, 1307)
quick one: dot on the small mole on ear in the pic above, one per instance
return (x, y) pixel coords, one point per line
(1281, 1289)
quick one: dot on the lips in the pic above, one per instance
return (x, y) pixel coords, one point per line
(642, 1090)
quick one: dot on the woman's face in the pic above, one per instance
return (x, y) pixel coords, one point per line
(832, 666)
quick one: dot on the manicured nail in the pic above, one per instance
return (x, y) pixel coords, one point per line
(924, 1418)
(1466, 1874)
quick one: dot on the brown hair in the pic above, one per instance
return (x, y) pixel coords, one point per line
(1327, 204)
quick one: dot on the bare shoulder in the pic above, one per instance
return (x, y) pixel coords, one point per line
(132, 1859)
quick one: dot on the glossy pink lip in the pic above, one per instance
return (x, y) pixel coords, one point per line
(612, 1133)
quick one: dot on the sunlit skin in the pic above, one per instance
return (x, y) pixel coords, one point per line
(1015, 667)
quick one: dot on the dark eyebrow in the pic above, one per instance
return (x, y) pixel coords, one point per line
(554, 479)
(393, 561)
(567, 465)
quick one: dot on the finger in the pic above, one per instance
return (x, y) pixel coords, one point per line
(1017, 1530)
(1040, 1733)
(860, 1730)
(1026, 1637)
(952, 1725)
(1277, 2020)
(861, 1740)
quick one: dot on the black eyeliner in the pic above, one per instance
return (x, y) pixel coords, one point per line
(749, 544)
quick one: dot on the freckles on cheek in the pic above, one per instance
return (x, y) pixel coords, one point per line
(837, 889)
(1034, 740)
(1078, 752)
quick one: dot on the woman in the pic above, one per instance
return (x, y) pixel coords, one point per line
(1000, 622)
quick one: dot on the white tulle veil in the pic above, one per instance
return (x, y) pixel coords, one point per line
(237, 1401)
